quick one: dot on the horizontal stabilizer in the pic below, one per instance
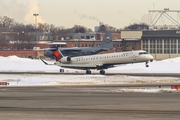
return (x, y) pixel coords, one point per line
(105, 49)
(46, 62)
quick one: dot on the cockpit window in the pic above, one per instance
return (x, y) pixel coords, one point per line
(143, 53)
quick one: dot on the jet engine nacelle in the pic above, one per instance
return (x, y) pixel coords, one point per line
(66, 59)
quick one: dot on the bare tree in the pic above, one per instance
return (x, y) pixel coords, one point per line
(104, 28)
(3, 42)
(26, 41)
(43, 27)
(137, 26)
(19, 27)
(80, 29)
(6, 22)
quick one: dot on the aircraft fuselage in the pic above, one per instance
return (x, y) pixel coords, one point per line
(104, 61)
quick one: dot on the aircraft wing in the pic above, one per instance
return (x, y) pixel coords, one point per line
(78, 66)
(104, 49)
(86, 66)
(70, 49)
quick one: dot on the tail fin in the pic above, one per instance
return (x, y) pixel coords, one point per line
(107, 41)
(57, 54)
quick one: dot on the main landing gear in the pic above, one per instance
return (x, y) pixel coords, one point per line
(61, 70)
(88, 71)
(102, 72)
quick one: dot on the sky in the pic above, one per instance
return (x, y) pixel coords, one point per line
(88, 13)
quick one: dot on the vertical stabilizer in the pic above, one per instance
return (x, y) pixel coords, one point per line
(107, 41)
(57, 55)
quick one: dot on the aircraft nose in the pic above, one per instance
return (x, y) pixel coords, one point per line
(150, 57)
(48, 54)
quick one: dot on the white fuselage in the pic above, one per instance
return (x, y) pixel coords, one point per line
(108, 59)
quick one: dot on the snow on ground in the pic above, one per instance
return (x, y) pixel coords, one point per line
(16, 64)
(81, 79)
(162, 90)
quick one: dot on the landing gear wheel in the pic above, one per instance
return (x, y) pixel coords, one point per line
(147, 64)
(88, 72)
(61, 70)
(102, 72)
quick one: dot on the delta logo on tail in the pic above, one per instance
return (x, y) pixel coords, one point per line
(57, 55)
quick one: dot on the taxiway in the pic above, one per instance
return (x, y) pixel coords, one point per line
(86, 102)
(107, 74)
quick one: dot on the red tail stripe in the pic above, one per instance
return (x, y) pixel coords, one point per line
(57, 55)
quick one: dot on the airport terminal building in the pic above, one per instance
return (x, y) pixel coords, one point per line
(162, 44)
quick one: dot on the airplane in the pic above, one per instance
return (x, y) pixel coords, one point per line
(105, 45)
(100, 61)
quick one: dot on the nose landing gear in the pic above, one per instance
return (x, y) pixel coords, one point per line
(147, 64)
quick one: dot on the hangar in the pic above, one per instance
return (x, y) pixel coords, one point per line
(162, 44)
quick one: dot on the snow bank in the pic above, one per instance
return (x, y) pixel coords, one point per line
(148, 90)
(15, 58)
(16, 64)
(171, 60)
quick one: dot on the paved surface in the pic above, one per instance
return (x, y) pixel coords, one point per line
(86, 103)
(129, 74)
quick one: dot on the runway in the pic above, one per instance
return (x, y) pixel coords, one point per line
(107, 74)
(93, 102)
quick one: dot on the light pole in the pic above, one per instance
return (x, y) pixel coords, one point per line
(35, 15)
